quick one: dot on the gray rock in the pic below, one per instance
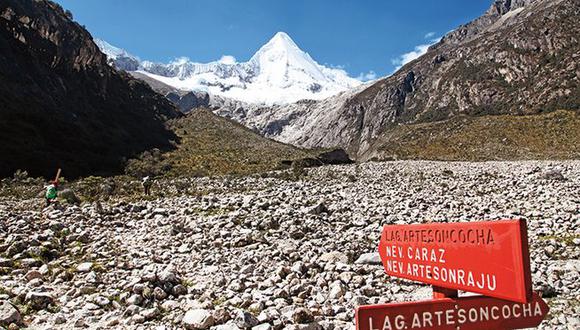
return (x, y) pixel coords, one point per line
(135, 300)
(159, 294)
(244, 319)
(150, 313)
(319, 209)
(336, 290)
(85, 267)
(5, 262)
(301, 316)
(263, 326)
(9, 314)
(33, 274)
(168, 277)
(101, 301)
(334, 257)
(226, 326)
(69, 195)
(372, 258)
(554, 173)
(39, 300)
(221, 315)
(198, 319)
(179, 290)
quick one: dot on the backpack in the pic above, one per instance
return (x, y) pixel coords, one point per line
(51, 192)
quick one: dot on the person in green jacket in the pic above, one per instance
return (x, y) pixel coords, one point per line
(51, 192)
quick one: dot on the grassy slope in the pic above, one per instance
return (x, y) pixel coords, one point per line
(553, 135)
(214, 145)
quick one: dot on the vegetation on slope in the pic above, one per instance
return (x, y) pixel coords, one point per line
(212, 145)
(554, 135)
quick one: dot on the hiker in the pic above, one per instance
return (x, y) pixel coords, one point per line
(147, 183)
(108, 188)
(51, 192)
(52, 189)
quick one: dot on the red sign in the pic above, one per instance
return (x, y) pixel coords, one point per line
(488, 257)
(465, 313)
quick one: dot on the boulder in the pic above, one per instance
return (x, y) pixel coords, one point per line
(334, 257)
(198, 319)
(39, 300)
(372, 258)
(9, 314)
(334, 157)
(226, 326)
(336, 290)
(554, 173)
(302, 316)
(263, 326)
(319, 209)
(85, 267)
(244, 319)
(33, 274)
(69, 195)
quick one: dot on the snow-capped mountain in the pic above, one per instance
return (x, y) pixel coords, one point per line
(118, 57)
(278, 73)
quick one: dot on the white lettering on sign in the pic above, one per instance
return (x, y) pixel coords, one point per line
(408, 266)
(421, 254)
(474, 236)
(437, 273)
(456, 317)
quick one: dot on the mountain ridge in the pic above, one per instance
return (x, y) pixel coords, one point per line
(278, 73)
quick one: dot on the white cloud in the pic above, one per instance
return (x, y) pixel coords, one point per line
(430, 35)
(419, 50)
(338, 66)
(227, 59)
(371, 75)
(180, 60)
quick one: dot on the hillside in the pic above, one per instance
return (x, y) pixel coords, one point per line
(554, 135)
(62, 105)
(210, 144)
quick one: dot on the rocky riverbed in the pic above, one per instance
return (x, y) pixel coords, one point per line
(264, 252)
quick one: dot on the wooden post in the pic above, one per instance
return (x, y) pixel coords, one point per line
(439, 292)
(57, 176)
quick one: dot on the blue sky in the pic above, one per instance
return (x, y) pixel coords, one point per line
(361, 36)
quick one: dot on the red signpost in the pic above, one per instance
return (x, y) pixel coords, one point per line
(489, 257)
(465, 313)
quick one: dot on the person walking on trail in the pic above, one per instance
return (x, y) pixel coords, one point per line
(51, 193)
(147, 183)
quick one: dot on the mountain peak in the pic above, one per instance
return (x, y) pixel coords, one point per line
(282, 63)
(283, 39)
(279, 43)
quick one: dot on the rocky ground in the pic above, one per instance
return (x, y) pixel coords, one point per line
(270, 253)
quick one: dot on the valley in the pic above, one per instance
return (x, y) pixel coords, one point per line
(252, 194)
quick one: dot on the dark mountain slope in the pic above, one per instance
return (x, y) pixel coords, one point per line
(61, 105)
